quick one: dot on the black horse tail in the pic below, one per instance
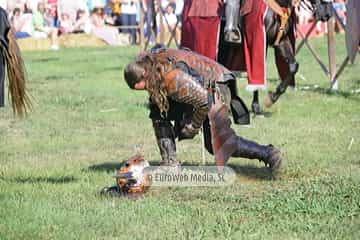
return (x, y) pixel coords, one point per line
(16, 75)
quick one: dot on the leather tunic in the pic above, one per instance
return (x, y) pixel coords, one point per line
(191, 78)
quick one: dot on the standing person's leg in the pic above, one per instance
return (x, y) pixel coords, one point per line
(132, 19)
(120, 20)
(125, 22)
(255, 47)
(125, 19)
(206, 35)
(53, 37)
(187, 38)
(117, 18)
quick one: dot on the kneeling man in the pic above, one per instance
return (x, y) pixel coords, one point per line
(193, 91)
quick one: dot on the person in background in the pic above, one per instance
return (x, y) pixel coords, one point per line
(27, 8)
(48, 16)
(22, 23)
(82, 23)
(115, 6)
(128, 17)
(179, 8)
(170, 17)
(40, 30)
(66, 25)
(97, 17)
(200, 26)
(304, 15)
(339, 7)
(98, 28)
(151, 25)
(71, 7)
(171, 21)
(53, 6)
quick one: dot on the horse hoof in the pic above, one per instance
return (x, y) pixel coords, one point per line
(268, 102)
(255, 107)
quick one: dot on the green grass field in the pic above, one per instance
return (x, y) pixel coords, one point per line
(86, 121)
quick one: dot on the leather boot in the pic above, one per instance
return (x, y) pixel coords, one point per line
(165, 137)
(265, 153)
(232, 26)
(226, 144)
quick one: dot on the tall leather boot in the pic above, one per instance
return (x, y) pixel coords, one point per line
(252, 150)
(226, 143)
(165, 137)
(232, 26)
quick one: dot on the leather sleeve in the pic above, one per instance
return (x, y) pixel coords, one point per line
(183, 88)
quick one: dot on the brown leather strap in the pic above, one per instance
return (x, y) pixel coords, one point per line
(284, 18)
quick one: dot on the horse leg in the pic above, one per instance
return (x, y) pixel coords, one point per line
(255, 106)
(286, 51)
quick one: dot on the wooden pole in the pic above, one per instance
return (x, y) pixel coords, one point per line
(141, 25)
(316, 56)
(305, 38)
(173, 35)
(331, 53)
(203, 147)
(341, 69)
(162, 27)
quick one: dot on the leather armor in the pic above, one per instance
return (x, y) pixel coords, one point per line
(190, 79)
(191, 82)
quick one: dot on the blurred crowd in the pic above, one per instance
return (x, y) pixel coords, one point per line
(106, 18)
(103, 18)
(305, 16)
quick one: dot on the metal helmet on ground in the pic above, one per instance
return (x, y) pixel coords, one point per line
(132, 177)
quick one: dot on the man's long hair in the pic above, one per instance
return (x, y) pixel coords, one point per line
(156, 68)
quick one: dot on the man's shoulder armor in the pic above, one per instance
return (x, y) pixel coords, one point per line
(199, 63)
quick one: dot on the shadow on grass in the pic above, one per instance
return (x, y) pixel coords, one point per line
(111, 167)
(110, 69)
(329, 92)
(51, 180)
(250, 171)
(273, 80)
(44, 60)
(108, 167)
